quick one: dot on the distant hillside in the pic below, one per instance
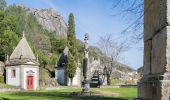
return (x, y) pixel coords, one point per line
(97, 53)
(46, 32)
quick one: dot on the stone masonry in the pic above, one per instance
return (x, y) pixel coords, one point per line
(155, 83)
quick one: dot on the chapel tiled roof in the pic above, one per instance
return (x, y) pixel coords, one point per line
(63, 60)
(22, 53)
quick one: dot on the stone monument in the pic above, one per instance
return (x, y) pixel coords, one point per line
(86, 83)
(155, 83)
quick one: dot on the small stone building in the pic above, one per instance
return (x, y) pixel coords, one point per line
(22, 67)
(61, 74)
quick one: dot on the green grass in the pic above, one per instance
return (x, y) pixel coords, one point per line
(2, 85)
(65, 94)
(124, 92)
(117, 82)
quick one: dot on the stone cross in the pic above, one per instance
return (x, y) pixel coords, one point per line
(86, 84)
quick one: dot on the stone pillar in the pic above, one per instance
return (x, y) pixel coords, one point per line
(155, 83)
(86, 82)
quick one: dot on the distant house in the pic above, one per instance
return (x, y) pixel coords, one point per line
(61, 74)
(22, 67)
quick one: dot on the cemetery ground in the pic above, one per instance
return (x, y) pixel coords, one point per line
(67, 93)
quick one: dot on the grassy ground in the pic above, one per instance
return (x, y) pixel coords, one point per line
(117, 82)
(2, 85)
(65, 94)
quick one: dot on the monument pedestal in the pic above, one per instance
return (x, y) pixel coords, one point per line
(86, 87)
(154, 87)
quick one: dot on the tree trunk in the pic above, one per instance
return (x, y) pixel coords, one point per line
(71, 81)
(108, 79)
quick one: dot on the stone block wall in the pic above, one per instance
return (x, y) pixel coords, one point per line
(154, 17)
(155, 83)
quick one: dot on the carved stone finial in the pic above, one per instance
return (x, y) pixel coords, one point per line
(86, 36)
(23, 34)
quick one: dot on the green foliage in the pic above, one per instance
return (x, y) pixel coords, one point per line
(58, 44)
(72, 45)
(35, 34)
(3, 85)
(71, 67)
(8, 37)
(43, 59)
(72, 42)
(9, 40)
(2, 4)
(44, 75)
(2, 79)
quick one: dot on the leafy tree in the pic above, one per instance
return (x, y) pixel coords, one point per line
(8, 37)
(2, 4)
(71, 68)
(58, 44)
(71, 39)
(9, 40)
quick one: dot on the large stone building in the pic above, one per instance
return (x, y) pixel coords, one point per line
(61, 74)
(155, 81)
(22, 67)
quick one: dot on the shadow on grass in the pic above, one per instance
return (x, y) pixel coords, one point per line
(55, 95)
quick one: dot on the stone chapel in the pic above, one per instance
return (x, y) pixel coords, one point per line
(22, 67)
(61, 74)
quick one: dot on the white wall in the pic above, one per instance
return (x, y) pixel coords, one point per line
(35, 75)
(15, 81)
(60, 76)
(77, 78)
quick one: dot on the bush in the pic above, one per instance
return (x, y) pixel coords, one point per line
(1, 79)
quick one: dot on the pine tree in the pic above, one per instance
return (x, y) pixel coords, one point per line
(71, 37)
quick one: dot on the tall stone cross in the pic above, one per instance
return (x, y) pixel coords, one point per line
(86, 82)
(155, 83)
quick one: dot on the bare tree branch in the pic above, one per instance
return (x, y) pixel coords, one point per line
(112, 51)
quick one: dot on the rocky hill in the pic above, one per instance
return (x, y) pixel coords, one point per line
(49, 19)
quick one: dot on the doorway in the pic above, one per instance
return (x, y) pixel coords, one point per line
(30, 82)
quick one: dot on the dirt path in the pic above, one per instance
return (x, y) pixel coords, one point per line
(105, 93)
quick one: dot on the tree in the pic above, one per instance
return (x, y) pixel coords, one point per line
(72, 45)
(71, 68)
(9, 41)
(133, 10)
(8, 37)
(112, 51)
(2, 4)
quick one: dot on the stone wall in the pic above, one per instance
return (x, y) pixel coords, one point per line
(155, 83)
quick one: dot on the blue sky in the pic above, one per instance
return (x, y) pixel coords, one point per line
(94, 17)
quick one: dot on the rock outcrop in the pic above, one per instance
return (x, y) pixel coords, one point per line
(51, 20)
